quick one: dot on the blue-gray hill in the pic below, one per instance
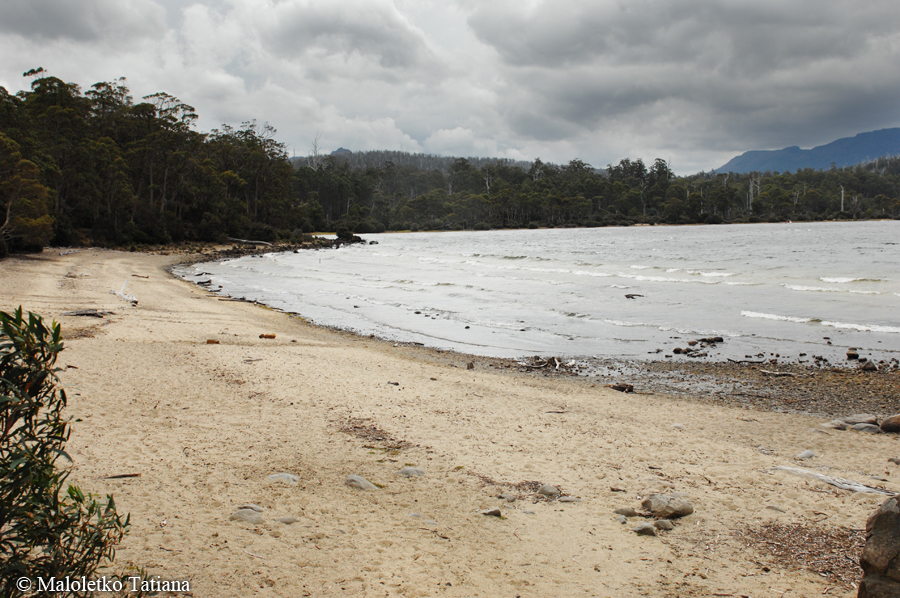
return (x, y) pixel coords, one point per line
(849, 151)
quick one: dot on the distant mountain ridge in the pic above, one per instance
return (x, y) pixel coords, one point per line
(849, 151)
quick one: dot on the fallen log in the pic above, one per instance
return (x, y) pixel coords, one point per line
(841, 483)
(92, 313)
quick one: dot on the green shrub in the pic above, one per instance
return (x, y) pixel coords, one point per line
(45, 531)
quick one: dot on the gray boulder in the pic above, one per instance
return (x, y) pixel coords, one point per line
(548, 490)
(860, 418)
(870, 428)
(666, 506)
(411, 472)
(880, 560)
(644, 529)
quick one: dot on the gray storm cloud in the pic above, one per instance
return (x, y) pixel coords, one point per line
(693, 81)
(86, 20)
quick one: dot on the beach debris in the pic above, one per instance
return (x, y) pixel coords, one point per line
(626, 511)
(621, 387)
(251, 506)
(68, 251)
(891, 424)
(868, 428)
(394, 383)
(507, 497)
(123, 296)
(548, 490)
(411, 472)
(139, 276)
(664, 524)
(212, 341)
(247, 516)
(805, 455)
(632, 295)
(894, 460)
(120, 476)
(841, 483)
(881, 555)
(622, 519)
(569, 499)
(667, 506)
(287, 520)
(644, 529)
(90, 313)
(355, 481)
(852, 354)
(492, 513)
(288, 478)
(617, 489)
(265, 335)
(470, 365)
(777, 374)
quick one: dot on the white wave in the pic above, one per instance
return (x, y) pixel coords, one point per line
(664, 279)
(586, 273)
(640, 267)
(756, 314)
(839, 279)
(626, 324)
(863, 327)
(717, 274)
(742, 284)
(797, 287)
(622, 286)
(671, 270)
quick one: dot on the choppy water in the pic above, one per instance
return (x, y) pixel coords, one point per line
(770, 288)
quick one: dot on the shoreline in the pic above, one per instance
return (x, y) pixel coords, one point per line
(205, 424)
(820, 389)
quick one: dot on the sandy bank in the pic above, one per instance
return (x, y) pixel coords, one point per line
(205, 424)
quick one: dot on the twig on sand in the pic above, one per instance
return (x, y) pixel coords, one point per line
(122, 475)
(256, 555)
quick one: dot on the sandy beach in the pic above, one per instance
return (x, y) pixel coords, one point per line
(206, 424)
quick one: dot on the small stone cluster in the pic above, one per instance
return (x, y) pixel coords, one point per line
(693, 350)
(866, 422)
(663, 507)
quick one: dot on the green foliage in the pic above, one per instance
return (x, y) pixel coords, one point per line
(46, 531)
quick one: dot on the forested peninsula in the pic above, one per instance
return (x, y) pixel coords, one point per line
(95, 167)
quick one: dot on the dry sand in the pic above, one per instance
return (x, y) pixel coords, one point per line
(205, 424)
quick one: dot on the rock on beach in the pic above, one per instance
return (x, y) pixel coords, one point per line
(667, 506)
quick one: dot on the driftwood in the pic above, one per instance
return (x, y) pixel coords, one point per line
(745, 361)
(621, 387)
(93, 313)
(777, 373)
(632, 296)
(248, 242)
(836, 482)
(139, 276)
(122, 475)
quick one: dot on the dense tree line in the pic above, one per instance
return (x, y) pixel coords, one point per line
(96, 167)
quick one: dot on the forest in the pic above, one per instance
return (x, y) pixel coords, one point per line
(95, 167)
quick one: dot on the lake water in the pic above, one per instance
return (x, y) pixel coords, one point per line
(764, 288)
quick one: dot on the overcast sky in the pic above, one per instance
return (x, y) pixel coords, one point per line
(691, 81)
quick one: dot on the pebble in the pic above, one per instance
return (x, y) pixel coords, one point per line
(287, 520)
(416, 515)
(869, 366)
(644, 529)
(805, 455)
(678, 426)
(429, 521)
(664, 524)
(247, 515)
(622, 519)
(362, 483)
(894, 460)
(252, 506)
(492, 513)
(626, 511)
(869, 428)
(548, 490)
(288, 478)
(411, 472)
(569, 499)
(529, 512)
(508, 497)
